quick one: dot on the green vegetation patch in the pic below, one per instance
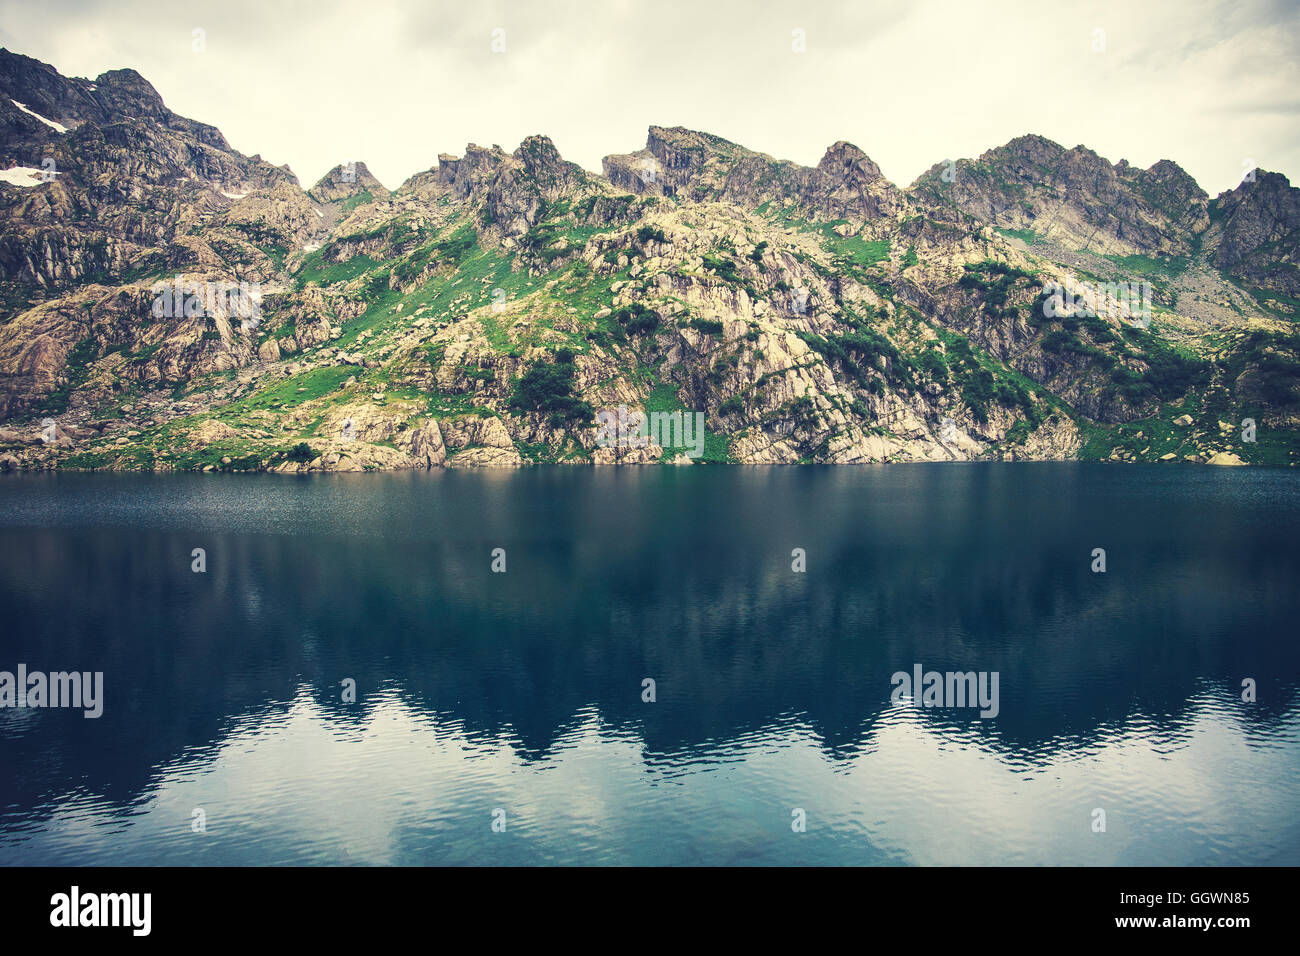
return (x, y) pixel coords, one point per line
(547, 387)
(76, 371)
(994, 281)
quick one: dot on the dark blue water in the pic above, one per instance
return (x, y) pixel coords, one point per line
(521, 692)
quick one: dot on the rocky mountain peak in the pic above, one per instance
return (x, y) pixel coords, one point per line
(1257, 231)
(345, 181)
(474, 170)
(538, 152)
(115, 96)
(41, 91)
(844, 158)
(542, 161)
(847, 184)
(1030, 147)
(1270, 191)
(690, 165)
(675, 161)
(677, 147)
(1073, 197)
(130, 84)
(1169, 176)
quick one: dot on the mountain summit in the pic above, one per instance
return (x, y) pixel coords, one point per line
(346, 181)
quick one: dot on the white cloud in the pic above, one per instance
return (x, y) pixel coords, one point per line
(912, 83)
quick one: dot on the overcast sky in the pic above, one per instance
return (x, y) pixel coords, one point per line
(1210, 85)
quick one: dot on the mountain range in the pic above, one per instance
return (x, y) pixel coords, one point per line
(168, 303)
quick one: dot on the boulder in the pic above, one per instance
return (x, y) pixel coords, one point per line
(1225, 458)
(427, 446)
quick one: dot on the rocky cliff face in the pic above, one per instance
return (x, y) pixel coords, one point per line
(172, 304)
(347, 181)
(1256, 232)
(1072, 197)
(120, 175)
(697, 167)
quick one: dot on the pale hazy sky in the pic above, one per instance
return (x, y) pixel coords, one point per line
(1211, 85)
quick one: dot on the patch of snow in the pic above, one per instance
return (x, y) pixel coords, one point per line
(318, 212)
(234, 195)
(23, 176)
(311, 247)
(57, 127)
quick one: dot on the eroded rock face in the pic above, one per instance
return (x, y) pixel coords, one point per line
(211, 431)
(1071, 196)
(1257, 233)
(848, 185)
(345, 181)
(427, 445)
(690, 165)
(475, 441)
(126, 178)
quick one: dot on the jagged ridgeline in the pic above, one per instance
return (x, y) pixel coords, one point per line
(169, 303)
